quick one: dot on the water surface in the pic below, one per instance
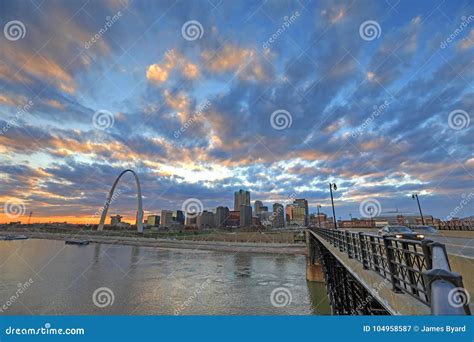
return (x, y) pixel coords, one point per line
(152, 281)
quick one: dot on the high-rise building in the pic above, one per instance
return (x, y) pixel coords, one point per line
(241, 197)
(245, 216)
(288, 214)
(205, 220)
(299, 216)
(258, 205)
(222, 214)
(302, 203)
(278, 216)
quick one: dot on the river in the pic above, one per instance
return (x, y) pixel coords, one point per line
(104, 279)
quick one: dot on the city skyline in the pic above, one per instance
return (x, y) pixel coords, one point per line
(278, 98)
(367, 209)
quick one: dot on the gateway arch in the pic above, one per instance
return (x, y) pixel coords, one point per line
(139, 218)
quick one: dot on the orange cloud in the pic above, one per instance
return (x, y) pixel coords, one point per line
(41, 67)
(156, 73)
(160, 72)
(234, 59)
(55, 104)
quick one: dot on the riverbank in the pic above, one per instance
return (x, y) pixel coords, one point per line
(243, 247)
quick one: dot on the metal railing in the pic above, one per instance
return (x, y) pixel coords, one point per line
(418, 268)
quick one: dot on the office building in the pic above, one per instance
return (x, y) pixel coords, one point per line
(222, 214)
(205, 220)
(258, 205)
(302, 203)
(288, 214)
(241, 197)
(278, 216)
(245, 216)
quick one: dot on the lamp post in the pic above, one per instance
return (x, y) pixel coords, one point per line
(419, 207)
(331, 187)
(319, 219)
(370, 209)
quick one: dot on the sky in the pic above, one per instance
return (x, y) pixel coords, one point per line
(202, 98)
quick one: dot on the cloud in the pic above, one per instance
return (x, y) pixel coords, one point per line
(329, 79)
(159, 73)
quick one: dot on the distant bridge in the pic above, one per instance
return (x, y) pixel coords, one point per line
(367, 274)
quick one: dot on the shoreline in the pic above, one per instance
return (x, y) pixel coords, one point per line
(218, 246)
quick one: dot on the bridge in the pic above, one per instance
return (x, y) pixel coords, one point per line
(368, 274)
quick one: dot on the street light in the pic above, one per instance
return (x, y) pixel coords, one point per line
(370, 209)
(331, 187)
(419, 207)
(319, 219)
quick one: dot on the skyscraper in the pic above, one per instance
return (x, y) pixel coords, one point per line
(222, 214)
(278, 216)
(258, 205)
(288, 214)
(245, 216)
(205, 220)
(302, 203)
(241, 197)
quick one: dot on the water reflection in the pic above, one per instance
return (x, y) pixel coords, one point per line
(153, 281)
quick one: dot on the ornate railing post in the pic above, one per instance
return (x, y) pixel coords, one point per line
(392, 267)
(363, 251)
(348, 244)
